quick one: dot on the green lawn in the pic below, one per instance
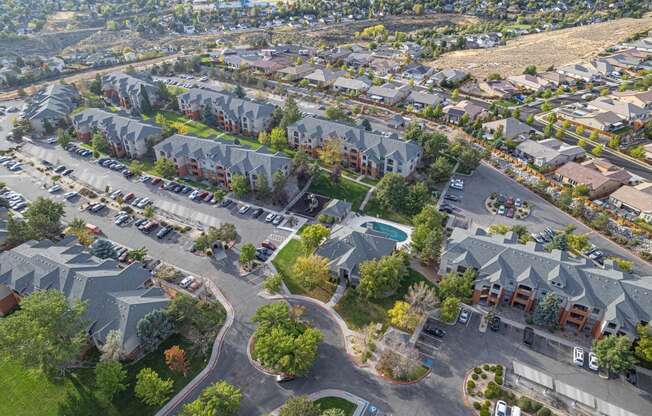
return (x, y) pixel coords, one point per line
(374, 209)
(358, 311)
(284, 261)
(326, 403)
(370, 180)
(344, 189)
(30, 393)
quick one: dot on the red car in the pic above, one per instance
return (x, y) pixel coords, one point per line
(129, 197)
(510, 213)
(510, 202)
(268, 244)
(203, 195)
(156, 181)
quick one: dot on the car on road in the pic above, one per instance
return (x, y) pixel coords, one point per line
(51, 140)
(268, 244)
(278, 219)
(501, 408)
(464, 316)
(257, 212)
(433, 331)
(67, 172)
(528, 336)
(163, 232)
(593, 361)
(282, 378)
(501, 210)
(59, 169)
(54, 189)
(578, 356)
(243, 209)
(494, 323)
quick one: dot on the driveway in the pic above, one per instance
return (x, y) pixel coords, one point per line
(485, 180)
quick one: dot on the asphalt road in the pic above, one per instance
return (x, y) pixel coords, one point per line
(486, 180)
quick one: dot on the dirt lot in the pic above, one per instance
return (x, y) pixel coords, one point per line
(544, 49)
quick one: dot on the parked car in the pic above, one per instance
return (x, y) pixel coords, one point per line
(268, 244)
(578, 356)
(464, 316)
(151, 226)
(593, 361)
(257, 212)
(59, 169)
(501, 210)
(494, 323)
(510, 213)
(278, 219)
(186, 281)
(270, 217)
(446, 208)
(98, 207)
(528, 336)
(140, 222)
(70, 195)
(226, 203)
(433, 331)
(501, 408)
(243, 209)
(54, 189)
(450, 197)
(163, 232)
(281, 378)
(518, 202)
(128, 197)
(67, 172)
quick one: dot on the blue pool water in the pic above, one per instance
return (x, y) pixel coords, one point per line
(392, 233)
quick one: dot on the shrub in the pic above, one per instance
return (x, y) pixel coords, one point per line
(485, 412)
(470, 385)
(477, 370)
(486, 404)
(486, 367)
(544, 411)
(499, 380)
(499, 371)
(474, 376)
(483, 376)
(477, 405)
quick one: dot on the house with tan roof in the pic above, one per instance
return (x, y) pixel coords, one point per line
(609, 170)
(636, 199)
(530, 82)
(574, 174)
(295, 73)
(323, 77)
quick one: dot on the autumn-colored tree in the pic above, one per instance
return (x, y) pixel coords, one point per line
(175, 358)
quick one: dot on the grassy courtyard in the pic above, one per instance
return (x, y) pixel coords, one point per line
(346, 406)
(374, 209)
(358, 311)
(284, 261)
(343, 189)
(30, 393)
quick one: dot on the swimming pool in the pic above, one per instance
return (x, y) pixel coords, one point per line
(392, 233)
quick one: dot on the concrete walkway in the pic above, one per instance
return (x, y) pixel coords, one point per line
(361, 403)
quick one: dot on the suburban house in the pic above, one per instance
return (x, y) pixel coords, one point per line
(510, 129)
(548, 153)
(369, 153)
(421, 100)
(498, 89)
(530, 82)
(390, 93)
(127, 136)
(351, 85)
(574, 174)
(582, 72)
(116, 298)
(609, 170)
(595, 301)
(384, 66)
(323, 78)
(592, 118)
(454, 112)
(625, 110)
(269, 65)
(417, 72)
(635, 199)
(358, 59)
(642, 99)
(556, 78)
(295, 73)
(229, 112)
(448, 77)
(49, 108)
(218, 161)
(127, 90)
(347, 248)
(240, 61)
(337, 209)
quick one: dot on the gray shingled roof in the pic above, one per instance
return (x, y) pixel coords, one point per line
(116, 299)
(117, 127)
(347, 248)
(501, 259)
(55, 101)
(374, 146)
(233, 106)
(237, 159)
(128, 85)
(337, 208)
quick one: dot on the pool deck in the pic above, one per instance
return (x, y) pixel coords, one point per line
(356, 221)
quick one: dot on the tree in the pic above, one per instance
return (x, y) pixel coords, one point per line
(300, 406)
(450, 307)
(403, 317)
(165, 168)
(546, 312)
(282, 342)
(239, 92)
(457, 285)
(136, 167)
(391, 191)
(45, 333)
(247, 254)
(382, 276)
(421, 297)
(530, 70)
(99, 143)
(151, 388)
(112, 347)
(614, 353)
(138, 254)
(441, 169)
(154, 328)
(333, 412)
(582, 143)
(427, 235)
(578, 242)
(313, 235)
(149, 211)
(278, 138)
(239, 185)
(262, 187)
(110, 377)
(311, 270)
(102, 249)
(501, 229)
(366, 124)
(219, 398)
(418, 9)
(175, 359)
(331, 152)
(580, 130)
(145, 104)
(581, 190)
(290, 113)
(530, 119)
(559, 242)
(597, 150)
(63, 138)
(44, 218)
(614, 142)
(638, 152)
(643, 348)
(263, 138)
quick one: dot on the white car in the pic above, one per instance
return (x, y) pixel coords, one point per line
(501, 408)
(51, 140)
(578, 356)
(593, 362)
(186, 281)
(193, 194)
(54, 189)
(464, 316)
(501, 210)
(270, 217)
(243, 210)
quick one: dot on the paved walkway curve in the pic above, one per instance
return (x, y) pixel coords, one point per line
(174, 403)
(361, 403)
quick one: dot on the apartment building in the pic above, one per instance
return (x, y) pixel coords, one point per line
(227, 111)
(49, 108)
(128, 91)
(595, 301)
(218, 161)
(369, 153)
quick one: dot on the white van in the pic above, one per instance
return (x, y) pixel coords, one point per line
(516, 411)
